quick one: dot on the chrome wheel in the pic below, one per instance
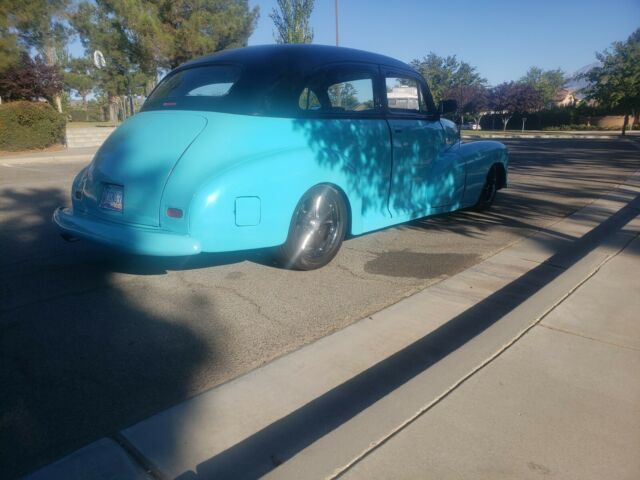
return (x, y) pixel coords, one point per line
(317, 229)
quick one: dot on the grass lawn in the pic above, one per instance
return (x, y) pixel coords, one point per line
(482, 133)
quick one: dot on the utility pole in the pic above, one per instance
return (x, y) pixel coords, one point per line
(337, 27)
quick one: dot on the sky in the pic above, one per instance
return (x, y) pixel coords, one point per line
(501, 38)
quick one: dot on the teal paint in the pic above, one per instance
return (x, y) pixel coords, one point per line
(203, 162)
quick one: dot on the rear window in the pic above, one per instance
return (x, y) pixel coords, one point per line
(204, 86)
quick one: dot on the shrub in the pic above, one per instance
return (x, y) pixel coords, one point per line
(27, 125)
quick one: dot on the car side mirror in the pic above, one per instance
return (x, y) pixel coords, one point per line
(448, 106)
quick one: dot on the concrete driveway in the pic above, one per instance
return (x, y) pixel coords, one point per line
(92, 341)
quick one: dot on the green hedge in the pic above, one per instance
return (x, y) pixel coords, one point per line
(28, 125)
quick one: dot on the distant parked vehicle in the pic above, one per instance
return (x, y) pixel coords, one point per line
(288, 146)
(470, 126)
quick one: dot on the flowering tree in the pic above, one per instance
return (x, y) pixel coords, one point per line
(509, 98)
(31, 79)
(472, 100)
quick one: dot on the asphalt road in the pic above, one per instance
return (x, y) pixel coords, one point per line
(92, 341)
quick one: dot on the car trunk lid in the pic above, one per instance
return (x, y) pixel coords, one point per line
(137, 159)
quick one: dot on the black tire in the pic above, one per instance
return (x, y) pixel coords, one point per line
(489, 190)
(317, 229)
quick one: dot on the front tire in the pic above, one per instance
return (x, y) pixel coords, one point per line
(489, 190)
(317, 229)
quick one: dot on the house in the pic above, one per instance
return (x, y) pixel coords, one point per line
(565, 98)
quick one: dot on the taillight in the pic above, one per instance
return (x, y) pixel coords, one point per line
(174, 213)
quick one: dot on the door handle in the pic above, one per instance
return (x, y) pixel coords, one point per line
(398, 130)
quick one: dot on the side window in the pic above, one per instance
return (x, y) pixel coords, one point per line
(352, 96)
(405, 95)
(339, 89)
(308, 100)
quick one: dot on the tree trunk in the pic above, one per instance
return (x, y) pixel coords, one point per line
(625, 123)
(51, 58)
(112, 109)
(58, 101)
(505, 121)
(84, 107)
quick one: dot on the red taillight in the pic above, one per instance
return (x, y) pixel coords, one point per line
(174, 213)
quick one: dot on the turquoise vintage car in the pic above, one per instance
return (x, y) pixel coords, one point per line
(289, 146)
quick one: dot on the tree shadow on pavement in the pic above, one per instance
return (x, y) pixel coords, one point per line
(553, 191)
(81, 354)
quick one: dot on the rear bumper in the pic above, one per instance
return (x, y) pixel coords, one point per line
(134, 239)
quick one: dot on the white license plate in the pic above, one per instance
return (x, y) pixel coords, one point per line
(112, 197)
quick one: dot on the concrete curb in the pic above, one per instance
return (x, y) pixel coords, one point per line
(211, 434)
(103, 459)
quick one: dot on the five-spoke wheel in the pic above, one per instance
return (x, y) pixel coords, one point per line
(317, 229)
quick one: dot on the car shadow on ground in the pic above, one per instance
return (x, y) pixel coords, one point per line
(145, 265)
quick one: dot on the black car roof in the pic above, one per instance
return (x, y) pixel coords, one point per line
(298, 56)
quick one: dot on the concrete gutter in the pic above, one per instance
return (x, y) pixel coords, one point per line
(314, 411)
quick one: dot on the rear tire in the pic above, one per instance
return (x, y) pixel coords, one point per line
(317, 229)
(489, 190)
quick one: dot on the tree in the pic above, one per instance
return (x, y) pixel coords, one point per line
(167, 33)
(30, 79)
(546, 82)
(472, 100)
(292, 21)
(509, 98)
(142, 38)
(99, 28)
(615, 84)
(9, 48)
(79, 77)
(41, 25)
(446, 73)
(343, 95)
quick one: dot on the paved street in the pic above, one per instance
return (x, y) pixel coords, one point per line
(93, 341)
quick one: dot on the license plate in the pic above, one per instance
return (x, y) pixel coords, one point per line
(112, 198)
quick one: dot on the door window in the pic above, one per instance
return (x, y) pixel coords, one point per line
(339, 89)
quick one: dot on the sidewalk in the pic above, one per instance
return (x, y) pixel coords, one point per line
(525, 364)
(563, 401)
